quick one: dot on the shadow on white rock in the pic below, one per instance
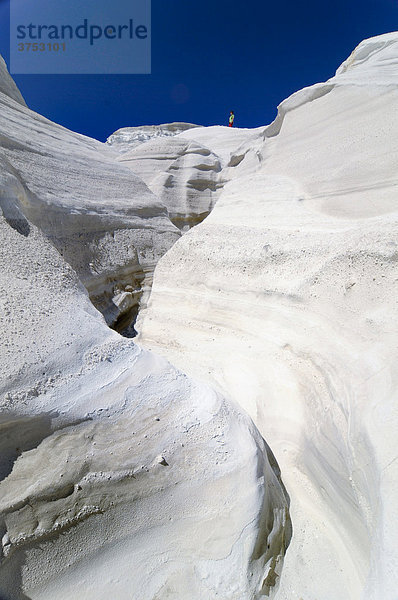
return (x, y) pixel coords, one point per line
(101, 217)
(87, 508)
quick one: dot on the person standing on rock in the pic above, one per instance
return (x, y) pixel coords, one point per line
(231, 119)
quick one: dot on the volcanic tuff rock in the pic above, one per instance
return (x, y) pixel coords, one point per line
(122, 475)
(188, 171)
(127, 138)
(101, 217)
(285, 298)
(119, 475)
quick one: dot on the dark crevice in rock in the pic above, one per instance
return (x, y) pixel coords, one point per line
(273, 539)
(125, 324)
(119, 299)
(185, 222)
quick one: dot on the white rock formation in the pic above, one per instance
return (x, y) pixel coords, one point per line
(127, 138)
(183, 174)
(119, 476)
(222, 141)
(284, 298)
(102, 218)
(188, 172)
(7, 85)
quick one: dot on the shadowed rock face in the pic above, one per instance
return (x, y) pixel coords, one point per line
(119, 475)
(282, 298)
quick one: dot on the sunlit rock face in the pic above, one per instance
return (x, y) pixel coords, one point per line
(284, 298)
(186, 171)
(183, 174)
(118, 472)
(101, 217)
(120, 476)
(127, 138)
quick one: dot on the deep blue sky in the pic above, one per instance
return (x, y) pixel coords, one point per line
(242, 56)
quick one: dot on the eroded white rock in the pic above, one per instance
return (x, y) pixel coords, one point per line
(127, 138)
(283, 298)
(100, 216)
(86, 509)
(183, 174)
